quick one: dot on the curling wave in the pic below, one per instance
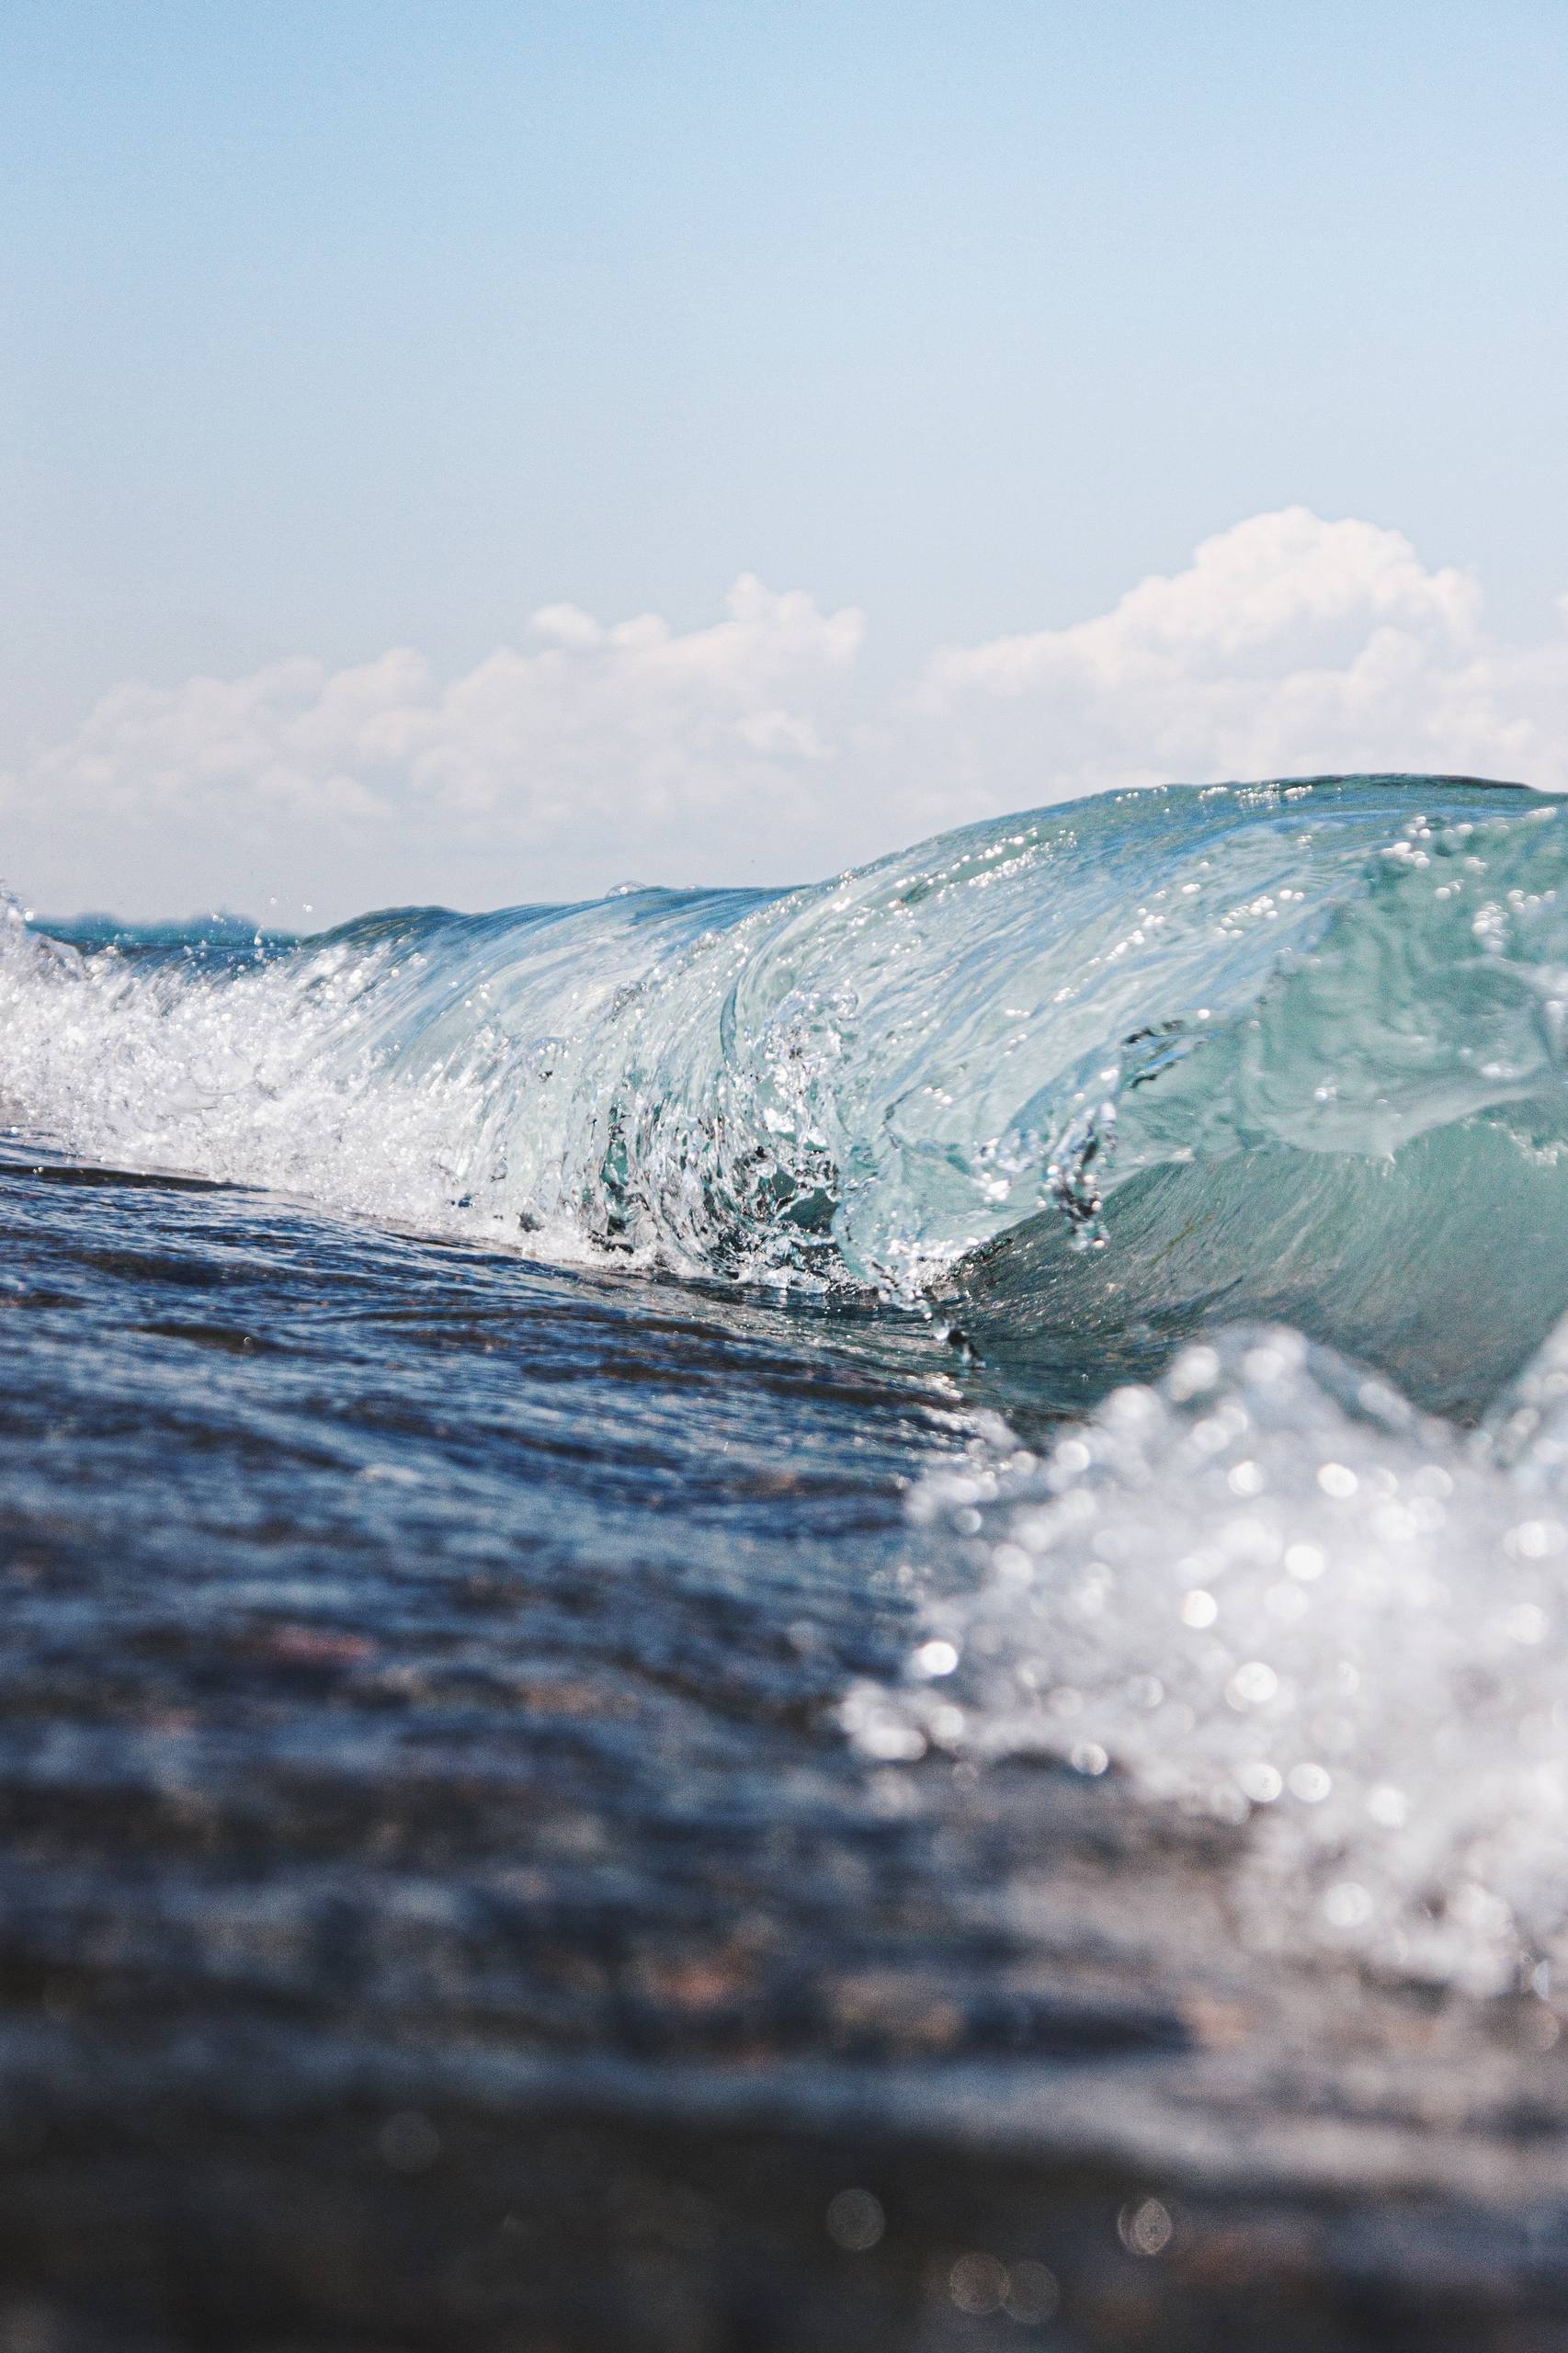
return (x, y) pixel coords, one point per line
(1085, 1077)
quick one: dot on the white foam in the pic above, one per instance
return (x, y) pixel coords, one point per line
(276, 1076)
(1269, 1590)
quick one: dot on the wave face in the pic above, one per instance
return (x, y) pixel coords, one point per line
(1088, 1078)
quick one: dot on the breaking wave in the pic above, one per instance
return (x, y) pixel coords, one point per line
(1086, 1078)
(1231, 1119)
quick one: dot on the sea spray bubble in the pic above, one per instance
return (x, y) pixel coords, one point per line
(1360, 1646)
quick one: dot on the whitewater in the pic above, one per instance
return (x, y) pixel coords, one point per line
(1015, 1402)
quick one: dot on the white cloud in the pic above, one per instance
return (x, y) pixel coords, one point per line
(1288, 646)
(584, 720)
(748, 749)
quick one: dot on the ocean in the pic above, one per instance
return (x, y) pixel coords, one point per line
(757, 1621)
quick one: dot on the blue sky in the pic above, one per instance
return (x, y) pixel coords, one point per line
(339, 327)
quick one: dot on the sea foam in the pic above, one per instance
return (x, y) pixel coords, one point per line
(1268, 1590)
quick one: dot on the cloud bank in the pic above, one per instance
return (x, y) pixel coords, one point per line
(753, 750)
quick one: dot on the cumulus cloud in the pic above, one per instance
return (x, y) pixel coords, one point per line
(584, 739)
(1288, 646)
(750, 748)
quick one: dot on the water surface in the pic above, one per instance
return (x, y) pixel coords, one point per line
(676, 1573)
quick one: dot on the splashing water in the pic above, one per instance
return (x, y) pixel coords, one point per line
(866, 1081)
(1267, 1586)
(1275, 1072)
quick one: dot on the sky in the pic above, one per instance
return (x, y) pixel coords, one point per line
(490, 452)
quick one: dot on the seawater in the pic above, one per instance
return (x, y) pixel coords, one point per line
(676, 1562)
